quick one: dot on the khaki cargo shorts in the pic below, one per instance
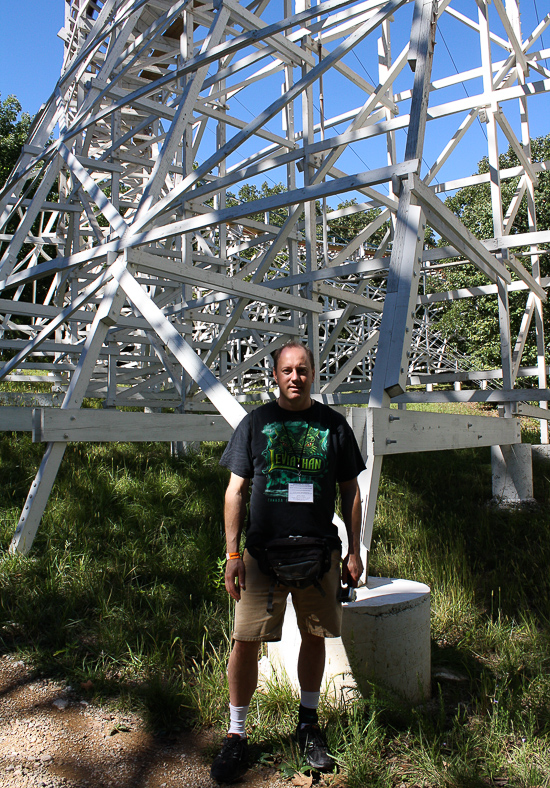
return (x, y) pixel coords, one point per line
(316, 614)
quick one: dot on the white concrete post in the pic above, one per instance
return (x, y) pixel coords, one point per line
(512, 474)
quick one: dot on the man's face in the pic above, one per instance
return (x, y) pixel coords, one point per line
(294, 376)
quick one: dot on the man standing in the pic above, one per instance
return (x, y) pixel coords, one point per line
(295, 451)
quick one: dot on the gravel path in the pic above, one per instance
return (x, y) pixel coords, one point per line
(50, 737)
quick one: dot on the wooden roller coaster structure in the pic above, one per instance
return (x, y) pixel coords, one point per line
(133, 273)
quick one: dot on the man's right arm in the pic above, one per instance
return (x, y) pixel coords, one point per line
(234, 513)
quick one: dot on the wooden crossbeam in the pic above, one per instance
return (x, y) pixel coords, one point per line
(53, 424)
(401, 432)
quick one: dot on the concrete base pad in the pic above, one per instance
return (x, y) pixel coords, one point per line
(385, 638)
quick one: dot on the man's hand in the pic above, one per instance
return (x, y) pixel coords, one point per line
(234, 570)
(352, 569)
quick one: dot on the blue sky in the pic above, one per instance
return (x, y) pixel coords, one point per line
(30, 52)
(31, 57)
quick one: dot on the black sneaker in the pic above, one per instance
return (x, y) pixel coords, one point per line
(232, 760)
(313, 745)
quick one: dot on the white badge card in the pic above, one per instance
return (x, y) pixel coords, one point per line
(300, 493)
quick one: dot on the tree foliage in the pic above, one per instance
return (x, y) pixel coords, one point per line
(249, 192)
(471, 325)
(348, 226)
(14, 129)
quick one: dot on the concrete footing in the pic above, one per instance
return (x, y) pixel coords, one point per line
(385, 639)
(541, 452)
(512, 474)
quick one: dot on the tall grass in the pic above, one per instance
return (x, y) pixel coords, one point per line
(123, 587)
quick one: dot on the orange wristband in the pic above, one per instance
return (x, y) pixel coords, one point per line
(231, 556)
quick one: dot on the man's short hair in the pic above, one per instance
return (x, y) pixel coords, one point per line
(294, 344)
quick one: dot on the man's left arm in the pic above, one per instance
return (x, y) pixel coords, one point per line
(352, 568)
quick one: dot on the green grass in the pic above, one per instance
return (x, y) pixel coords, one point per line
(123, 587)
(122, 584)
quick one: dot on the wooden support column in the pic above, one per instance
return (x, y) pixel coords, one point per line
(534, 300)
(290, 133)
(384, 66)
(310, 228)
(391, 367)
(220, 202)
(182, 447)
(496, 196)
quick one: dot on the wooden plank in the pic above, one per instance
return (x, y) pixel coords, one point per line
(446, 223)
(349, 297)
(231, 285)
(471, 292)
(281, 200)
(82, 316)
(521, 239)
(90, 424)
(524, 409)
(369, 267)
(401, 432)
(463, 376)
(15, 419)
(496, 397)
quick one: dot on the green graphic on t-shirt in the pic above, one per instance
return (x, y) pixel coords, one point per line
(288, 446)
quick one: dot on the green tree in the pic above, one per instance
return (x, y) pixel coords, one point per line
(14, 129)
(471, 325)
(347, 227)
(249, 192)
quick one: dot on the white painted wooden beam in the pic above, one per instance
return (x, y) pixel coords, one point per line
(15, 419)
(392, 431)
(53, 424)
(533, 412)
(495, 397)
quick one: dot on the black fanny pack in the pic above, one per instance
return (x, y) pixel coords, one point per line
(294, 561)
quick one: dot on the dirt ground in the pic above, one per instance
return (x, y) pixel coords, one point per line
(51, 737)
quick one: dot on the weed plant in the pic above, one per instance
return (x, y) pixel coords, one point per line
(124, 588)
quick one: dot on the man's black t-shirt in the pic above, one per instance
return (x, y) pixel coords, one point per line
(275, 447)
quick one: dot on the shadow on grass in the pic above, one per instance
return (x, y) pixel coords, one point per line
(451, 525)
(123, 579)
(488, 571)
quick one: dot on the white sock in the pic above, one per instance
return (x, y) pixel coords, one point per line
(237, 719)
(310, 700)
